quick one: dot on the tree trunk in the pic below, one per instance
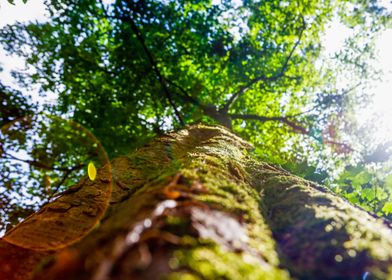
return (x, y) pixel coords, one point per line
(195, 204)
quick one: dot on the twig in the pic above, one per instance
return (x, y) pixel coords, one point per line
(58, 185)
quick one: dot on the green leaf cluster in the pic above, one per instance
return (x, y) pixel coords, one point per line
(129, 70)
(368, 187)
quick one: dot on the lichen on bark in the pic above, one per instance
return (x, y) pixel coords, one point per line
(195, 204)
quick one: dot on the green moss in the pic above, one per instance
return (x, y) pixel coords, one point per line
(318, 232)
(328, 228)
(213, 262)
(181, 276)
(263, 197)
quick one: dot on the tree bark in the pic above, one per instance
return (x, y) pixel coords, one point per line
(195, 204)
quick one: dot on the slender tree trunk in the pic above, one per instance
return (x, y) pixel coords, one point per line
(195, 204)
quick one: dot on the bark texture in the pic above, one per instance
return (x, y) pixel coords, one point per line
(195, 204)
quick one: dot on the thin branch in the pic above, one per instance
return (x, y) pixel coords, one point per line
(304, 112)
(344, 148)
(154, 65)
(295, 126)
(58, 185)
(32, 162)
(345, 92)
(186, 95)
(246, 87)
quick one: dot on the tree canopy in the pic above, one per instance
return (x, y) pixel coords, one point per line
(129, 70)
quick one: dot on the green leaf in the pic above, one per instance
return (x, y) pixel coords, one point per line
(352, 197)
(368, 194)
(388, 181)
(387, 209)
(361, 178)
(126, 82)
(351, 172)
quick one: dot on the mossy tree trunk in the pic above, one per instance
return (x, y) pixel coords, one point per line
(194, 204)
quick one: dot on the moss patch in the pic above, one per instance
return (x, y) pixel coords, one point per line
(195, 205)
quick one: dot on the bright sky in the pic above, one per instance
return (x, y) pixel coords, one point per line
(381, 90)
(335, 35)
(9, 14)
(382, 101)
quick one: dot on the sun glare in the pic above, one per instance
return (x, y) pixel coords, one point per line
(376, 114)
(379, 111)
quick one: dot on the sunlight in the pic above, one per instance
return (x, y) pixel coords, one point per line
(380, 110)
(181, 139)
(377, 113)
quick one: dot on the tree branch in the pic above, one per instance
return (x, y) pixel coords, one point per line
(283, 69)
(187, 97)
(58, 185)
(32, 162)
(295, 126)
(343, 93)
(154, 65)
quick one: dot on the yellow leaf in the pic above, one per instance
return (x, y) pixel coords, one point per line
(91, 171)
(40, 231)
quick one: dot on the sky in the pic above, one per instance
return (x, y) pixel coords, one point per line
(333, 41)
(9, 14)
(381, 102)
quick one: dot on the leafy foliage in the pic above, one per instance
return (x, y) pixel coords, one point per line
(367, 187)
(128, 70)
(14, 105)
